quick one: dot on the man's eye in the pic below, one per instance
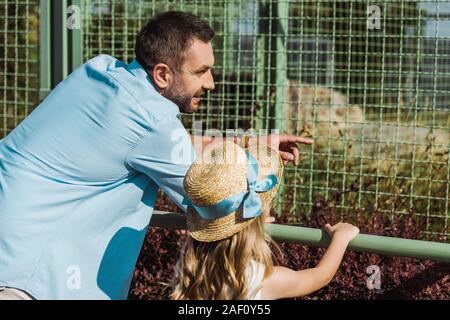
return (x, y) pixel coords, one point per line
(201, 72)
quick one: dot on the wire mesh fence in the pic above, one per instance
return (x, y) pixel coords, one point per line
(19, 61)
(374, 98)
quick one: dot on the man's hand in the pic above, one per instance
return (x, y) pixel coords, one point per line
(284, 143)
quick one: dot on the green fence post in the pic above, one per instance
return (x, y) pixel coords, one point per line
(60, 67)
(45, 78)
(76, 38)
(280, 72)
(279, 76)
(54, 59)
(61, 49)
(262, 65)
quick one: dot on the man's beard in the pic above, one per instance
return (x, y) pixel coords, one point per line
(177, 95)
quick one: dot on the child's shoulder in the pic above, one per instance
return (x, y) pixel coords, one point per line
(255, 275)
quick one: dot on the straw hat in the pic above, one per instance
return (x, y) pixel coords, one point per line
(219, 180)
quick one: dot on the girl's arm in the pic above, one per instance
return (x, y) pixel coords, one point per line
(287, 283)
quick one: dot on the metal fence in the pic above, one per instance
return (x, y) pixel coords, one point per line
(374, 98)
(19, 61)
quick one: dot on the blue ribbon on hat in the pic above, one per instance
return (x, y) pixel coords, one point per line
(250, 199)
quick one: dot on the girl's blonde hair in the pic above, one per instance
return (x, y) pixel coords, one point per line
(219, 270)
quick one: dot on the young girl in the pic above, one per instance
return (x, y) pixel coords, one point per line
(227, 253)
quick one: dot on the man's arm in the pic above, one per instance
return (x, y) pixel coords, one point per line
(165, 155)
(287, 145)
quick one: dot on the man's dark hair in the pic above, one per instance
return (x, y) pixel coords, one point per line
(167, 36)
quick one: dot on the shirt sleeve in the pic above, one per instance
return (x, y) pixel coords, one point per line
(165, 155)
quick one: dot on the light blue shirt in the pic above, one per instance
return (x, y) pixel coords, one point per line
(78, 182)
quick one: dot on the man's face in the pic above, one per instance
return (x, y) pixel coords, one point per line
(194, 79)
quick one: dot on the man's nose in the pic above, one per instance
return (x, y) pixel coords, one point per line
(209, 83)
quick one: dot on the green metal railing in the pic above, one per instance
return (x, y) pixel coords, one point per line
(374, 100)
(418, 249)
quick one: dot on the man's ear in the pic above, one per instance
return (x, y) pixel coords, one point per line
(162, 76)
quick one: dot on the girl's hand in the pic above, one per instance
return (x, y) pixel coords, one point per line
(344, 231)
